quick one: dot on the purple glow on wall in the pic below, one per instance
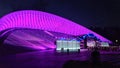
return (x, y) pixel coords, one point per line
(27, 38)
(43, 21)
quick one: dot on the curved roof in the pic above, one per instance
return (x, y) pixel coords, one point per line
(44, 21)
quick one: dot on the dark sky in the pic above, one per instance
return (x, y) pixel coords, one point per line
(85, 12)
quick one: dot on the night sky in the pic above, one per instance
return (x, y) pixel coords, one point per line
(88, 13)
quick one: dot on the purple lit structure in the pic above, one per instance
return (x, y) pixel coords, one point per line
(51, 25)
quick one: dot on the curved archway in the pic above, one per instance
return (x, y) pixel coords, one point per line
(44, 21)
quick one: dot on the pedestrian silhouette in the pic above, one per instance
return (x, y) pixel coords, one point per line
(95, 57)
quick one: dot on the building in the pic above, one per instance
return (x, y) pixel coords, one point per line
(37, 29)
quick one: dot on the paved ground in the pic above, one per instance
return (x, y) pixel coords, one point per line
(51, 59)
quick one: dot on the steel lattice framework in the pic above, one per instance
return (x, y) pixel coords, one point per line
(45, 21)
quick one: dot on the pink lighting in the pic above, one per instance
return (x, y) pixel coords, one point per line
(44, 21)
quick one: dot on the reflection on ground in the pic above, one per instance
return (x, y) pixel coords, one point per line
(51, 59)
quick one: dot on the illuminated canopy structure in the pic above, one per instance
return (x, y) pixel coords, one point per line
(44, 21)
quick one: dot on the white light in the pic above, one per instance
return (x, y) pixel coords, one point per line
(104, 44)
(91, 43)
(66, 44)
(116, 40)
